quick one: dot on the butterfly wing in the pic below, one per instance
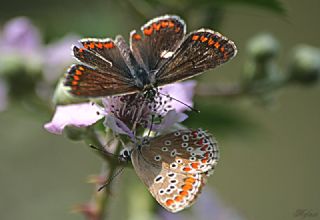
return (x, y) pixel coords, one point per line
(200, 51)
(173, 172)
(158, 39)
(103, 70)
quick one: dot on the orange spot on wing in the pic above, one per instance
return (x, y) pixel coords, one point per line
(169, 202)
(91, 45)
(78, 72)
(81, 68)
(204, 161)
(86, 45)
(186, 169)
(178, 198)
(195, 37)
(195, 165)
(136, 36)
(100, 45)
(75, 77)
(74, 83)
(222, 49)
(190, 180)
(195, 133)
(204, 148)
(148, 31)
(177, 29)
(203, 39)
(164, 24)
(80, 50)
(184, 193)
(200, 142)
(187, 187)
(217, 45)
(108, 45)
(210, 42)
(171, 24)
(156, 26)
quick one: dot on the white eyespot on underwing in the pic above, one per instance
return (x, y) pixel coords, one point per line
(164, 149)
(173, 153)
(158, 179)
(189, 149)
(185, 137)
(157, 158)
(173, 165)
(167, 142)
(184, 145)
(192, 158)
(171, 174)
(166, 54)
(179, 161)
(177, 133)
(161, 191)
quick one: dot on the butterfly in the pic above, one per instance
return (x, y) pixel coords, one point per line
(161, 53)
(174, 166)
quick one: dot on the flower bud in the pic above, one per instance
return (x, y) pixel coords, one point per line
(263, 47)
(305, 64)
(61, 95)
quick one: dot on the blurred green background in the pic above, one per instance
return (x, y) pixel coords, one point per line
(269, 153)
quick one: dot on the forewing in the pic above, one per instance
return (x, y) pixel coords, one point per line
(110, 51)
(200, 51)
(104, 72)
(158, 39)
(88, 82)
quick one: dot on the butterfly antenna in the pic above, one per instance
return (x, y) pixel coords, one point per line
(103, 151)
(110, 179)
(188, 106)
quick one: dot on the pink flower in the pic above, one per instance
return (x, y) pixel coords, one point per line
(123, 113)
(78, 115)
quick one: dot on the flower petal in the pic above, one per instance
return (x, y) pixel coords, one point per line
(78, 115)
(182, 91)
(118, 126)
(169, 120)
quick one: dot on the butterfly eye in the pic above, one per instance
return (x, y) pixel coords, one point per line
(125, 153)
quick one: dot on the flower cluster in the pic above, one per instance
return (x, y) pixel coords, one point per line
(128, 114)
(27, 66)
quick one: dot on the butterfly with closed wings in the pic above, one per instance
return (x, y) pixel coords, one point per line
(174, 166)
(162, 53)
